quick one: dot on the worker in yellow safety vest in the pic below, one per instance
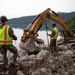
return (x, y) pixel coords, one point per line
(53, 38)
(6, 37)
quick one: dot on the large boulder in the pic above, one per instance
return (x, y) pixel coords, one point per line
(30, 45)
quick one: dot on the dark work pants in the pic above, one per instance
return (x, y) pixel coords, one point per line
(52, 46)
(12, 49)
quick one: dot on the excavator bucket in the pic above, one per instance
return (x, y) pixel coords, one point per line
(29, 46)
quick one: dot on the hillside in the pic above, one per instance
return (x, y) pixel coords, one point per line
(23, 22)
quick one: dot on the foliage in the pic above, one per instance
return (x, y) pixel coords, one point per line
(71, 22)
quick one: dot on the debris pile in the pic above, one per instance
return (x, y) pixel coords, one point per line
(44, 63)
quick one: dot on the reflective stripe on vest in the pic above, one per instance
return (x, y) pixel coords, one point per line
(5, 39)
(56, 33)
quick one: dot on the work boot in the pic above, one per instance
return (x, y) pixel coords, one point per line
(15, 63)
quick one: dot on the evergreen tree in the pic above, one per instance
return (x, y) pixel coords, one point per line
(71, 22)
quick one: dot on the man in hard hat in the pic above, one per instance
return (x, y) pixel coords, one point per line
(53, 38)
(6, 37)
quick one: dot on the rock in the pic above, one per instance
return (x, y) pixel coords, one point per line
(31, 56)
(38, 59)
(68, 53)
(51, 60)
(22, 53)
(1, 58)
(30, 45)
(42, 53)
(20, 72)
(9, 55)
(62, 47)
(66, 73)
(23, 58)
(26, 57)
(63, 63)
(43, 70)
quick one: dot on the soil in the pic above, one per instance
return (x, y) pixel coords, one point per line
(51, 64)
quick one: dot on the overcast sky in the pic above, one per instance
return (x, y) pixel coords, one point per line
(19, 8)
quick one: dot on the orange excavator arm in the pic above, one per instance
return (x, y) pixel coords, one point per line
(39, 20)
(48, 13)
(60, 20)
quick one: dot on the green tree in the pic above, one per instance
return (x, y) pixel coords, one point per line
(71, 22)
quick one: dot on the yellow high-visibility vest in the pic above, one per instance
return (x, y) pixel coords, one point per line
(5, 39)
(56, 33)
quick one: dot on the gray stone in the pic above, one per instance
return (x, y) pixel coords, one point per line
(20, 72)
(42, 53)
(69, 53)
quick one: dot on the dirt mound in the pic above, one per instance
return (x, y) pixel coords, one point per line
(62, 63)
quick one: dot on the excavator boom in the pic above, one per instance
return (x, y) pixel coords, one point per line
(32, 30)
(48, 13)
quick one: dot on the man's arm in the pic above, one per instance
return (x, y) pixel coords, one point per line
(11, 34)
(52, 34)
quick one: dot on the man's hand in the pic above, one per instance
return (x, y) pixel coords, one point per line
(48, 34)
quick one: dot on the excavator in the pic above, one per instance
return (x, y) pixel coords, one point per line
(32, 30)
